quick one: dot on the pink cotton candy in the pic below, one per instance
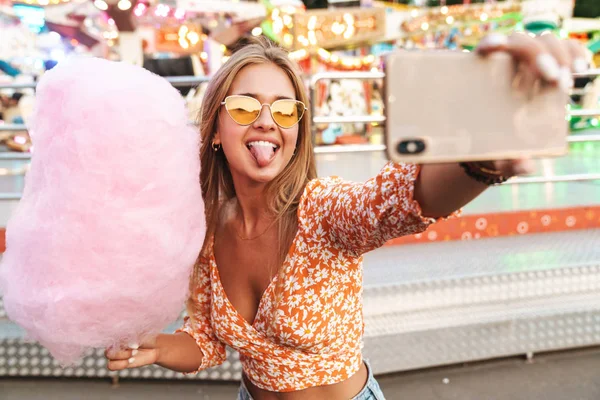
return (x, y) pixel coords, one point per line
(102, 244)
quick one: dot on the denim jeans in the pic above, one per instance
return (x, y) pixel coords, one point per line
(371, 390)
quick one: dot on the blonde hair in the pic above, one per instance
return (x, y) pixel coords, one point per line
(283, 193)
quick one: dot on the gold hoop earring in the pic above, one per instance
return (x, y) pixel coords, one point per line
(216, 146)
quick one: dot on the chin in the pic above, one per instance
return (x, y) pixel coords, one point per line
(268, 173)
(265, 175)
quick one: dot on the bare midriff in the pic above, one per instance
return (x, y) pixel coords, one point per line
(345, 390)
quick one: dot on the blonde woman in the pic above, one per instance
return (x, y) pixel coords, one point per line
(279, 276)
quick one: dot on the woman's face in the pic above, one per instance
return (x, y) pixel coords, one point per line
(250, 159)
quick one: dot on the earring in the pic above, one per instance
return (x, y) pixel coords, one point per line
(216, 146)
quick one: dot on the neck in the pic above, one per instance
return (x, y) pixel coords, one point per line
(252, 215)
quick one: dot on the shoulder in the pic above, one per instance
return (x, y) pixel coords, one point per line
(322, 189)
(400, 168)
(319, 189)
(318, 195)
(390, 171)
(318, 184)
(206, 253)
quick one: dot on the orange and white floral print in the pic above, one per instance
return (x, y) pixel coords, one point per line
(316, 337)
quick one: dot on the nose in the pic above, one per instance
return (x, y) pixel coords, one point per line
(265, 119)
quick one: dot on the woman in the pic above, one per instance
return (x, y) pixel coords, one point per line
(279, 275)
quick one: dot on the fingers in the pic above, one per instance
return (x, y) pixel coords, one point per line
(131, 357)
(579, 56)
(119, 358)
(533, 53)
(549, 58)
(120, 354)
(555, 47)
(525, 50)
(562, 55)
(491, 43)
(541, 59)
(139, 358)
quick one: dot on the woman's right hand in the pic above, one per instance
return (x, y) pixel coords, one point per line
(132, 356)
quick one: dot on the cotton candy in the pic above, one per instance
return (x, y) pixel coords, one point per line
(102, 244)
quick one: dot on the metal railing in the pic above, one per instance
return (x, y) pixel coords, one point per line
(176, 81)
(343, 120)
(336, 149)
(14, 156)
(588, 74)
(13, 127)
(584, 113)
(10, 196)
(332, 149)
(361, 148)
(14, 86)
(553, 179)
(316, 78)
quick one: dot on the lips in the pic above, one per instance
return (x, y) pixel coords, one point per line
(262, 151)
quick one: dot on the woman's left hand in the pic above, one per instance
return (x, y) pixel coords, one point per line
(544, 58)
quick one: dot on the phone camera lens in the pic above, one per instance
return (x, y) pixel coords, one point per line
(411, 146)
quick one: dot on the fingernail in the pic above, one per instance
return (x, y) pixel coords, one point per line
(131, 360)
(134, 352)
(566, 79)
(495, 40)
(134, 346)
(580, 65)
(549, 67)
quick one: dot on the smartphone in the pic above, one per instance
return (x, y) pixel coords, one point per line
(451, 106)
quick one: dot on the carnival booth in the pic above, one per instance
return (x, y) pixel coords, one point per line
(586, 94)
(338, 39)
(35, 37)
(459, 26)
(517, 274)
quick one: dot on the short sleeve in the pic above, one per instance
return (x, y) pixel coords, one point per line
(360, 217)
(197, 323)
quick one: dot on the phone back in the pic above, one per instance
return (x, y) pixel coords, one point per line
(447, 106)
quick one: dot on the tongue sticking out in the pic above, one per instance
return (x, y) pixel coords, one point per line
(262, 154)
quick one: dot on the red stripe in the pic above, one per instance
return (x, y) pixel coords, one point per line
(507, 224)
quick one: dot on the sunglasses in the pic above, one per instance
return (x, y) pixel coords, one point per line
(244, 110)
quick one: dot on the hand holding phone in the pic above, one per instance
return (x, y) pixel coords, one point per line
(507, 102)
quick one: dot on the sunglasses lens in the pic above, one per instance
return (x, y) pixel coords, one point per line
(243, 110)
(287, 113)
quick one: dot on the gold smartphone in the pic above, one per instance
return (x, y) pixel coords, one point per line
(449, 106)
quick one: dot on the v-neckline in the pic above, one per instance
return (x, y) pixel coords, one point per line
(213, 265)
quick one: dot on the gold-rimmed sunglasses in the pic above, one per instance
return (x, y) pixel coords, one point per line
(244, 110)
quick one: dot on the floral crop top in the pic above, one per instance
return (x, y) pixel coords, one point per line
(314, 337)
